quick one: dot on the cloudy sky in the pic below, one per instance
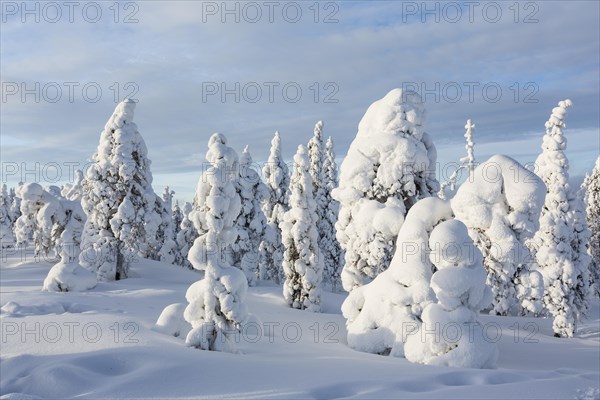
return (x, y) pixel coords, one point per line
(246, 69)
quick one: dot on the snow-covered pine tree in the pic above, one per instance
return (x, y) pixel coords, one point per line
(564, 281)
(389, 167)
(581, 257)
(216, 308)
(7, 236)
(251, 222)
(466, 163)
(118, 199)
(459, 286)
(501, 205)
(42, 219)
(166, 232)
(186, 237)
(592, 202)
(302, 261)
(277, 178)
(177, 216)
(316, 157)
(333, 255)
(15, 206)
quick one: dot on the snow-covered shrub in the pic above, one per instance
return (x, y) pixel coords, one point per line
(186, 237)
(7, 236)
(251, 222)
(389, 167)
(302, 261)
(450, 333)
(277, 178)
(333, 255)
(566, 279)
(501, 205)
(118, 199)
(381, 314)
(591, 192)
(216, 308)
(68, 275)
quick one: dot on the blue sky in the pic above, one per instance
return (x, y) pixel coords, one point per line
(172, 53)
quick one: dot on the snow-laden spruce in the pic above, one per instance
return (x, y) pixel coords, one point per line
(316, 157)
(390, 166)
(302, 261)
(591, 187)
(177, 215)
(41, 220)
(333, 255)
(277, 178)
(251, 222)
(450, 333)
(381, 314)
(566, 281)
(7, 236)
(68, 275)
(118, 199)
(15, 207)
(216, 308)
(501, 205)
(166, 233)
(467, 163)
(186, 237)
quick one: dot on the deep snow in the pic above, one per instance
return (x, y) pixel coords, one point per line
(101, 344)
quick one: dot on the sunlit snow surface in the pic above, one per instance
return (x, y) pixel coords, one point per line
(101, 344)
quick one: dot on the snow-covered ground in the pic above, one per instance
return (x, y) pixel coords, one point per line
(101, 344)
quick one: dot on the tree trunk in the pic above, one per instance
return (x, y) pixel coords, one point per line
(121, 271)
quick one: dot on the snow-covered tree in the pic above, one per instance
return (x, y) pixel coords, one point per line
(302, 261)
(381, 314)
(42, 219)
(501, 205)
(118, 199)
(450, 334)
(186, 237)
(216, 308)
(580, 250)
(7, 237)
(592, 203)
(74, 191)
(177, 216)
(277, 178)
(166, 232)
(316, 157)
(251, 222)
(15, 206)
(330, 247)
(390, 166)
(466, 163)
(565, 283)
(68, 275)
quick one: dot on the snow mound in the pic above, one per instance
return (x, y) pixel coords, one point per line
(69, 277)
(171, 321)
